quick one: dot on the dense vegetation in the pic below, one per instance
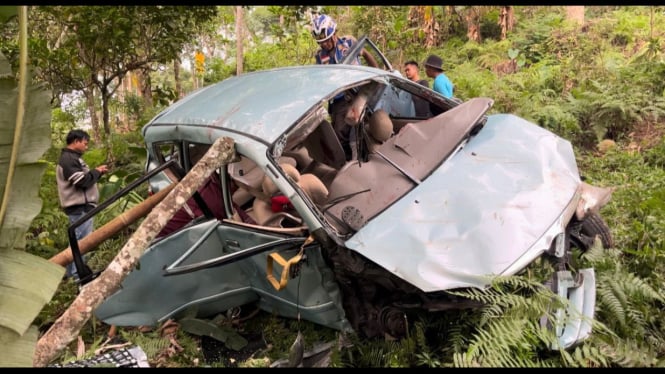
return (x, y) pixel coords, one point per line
(600, 84)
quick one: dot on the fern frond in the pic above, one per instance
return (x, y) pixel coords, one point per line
(585, 356)
(457, 335)
(151, 344)
(596, 253)
(636, 286)
(464, 360)
(491, 311)
(419, 337)
(619, 297)
(628, 353)
(608, 301)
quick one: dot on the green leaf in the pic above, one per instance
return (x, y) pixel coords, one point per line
(20, 168)
(27, 283)
(226, 335)
(512, 53)
(17, 350)
(7, 11)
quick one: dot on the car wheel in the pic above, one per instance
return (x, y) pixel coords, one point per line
(583, 233)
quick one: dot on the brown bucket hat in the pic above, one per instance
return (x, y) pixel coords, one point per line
(434, 62)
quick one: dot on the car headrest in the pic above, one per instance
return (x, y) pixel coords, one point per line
(380, 126)
(248, 175)
(245, 173)
(268, 186)
(314, 188)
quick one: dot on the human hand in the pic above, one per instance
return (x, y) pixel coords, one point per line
(102, 169)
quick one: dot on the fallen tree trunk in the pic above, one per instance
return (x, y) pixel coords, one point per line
(111, 228)
(67, 327)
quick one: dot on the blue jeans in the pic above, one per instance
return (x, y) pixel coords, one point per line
(81, 232)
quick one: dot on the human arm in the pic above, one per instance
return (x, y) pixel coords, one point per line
(369, 58)
(317, 58)
(77, 173)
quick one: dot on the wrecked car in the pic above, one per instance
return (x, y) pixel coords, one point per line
(423, 206)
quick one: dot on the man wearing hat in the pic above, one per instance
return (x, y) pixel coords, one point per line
(433, 69)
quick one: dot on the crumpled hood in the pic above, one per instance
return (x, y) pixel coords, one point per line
(479, 211)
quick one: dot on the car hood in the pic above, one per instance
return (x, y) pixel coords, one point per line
(479, 212)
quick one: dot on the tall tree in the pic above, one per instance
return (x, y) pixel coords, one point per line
(506, 20)
(239, 39)
(472, 16)
(423, 18)
(104, 43)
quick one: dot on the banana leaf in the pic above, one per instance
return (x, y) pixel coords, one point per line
(27, 282)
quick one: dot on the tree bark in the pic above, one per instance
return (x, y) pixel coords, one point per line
(472, 18)
(146, 87)
(422, 17)
(176, 78)
(239, 40)
(112, 227)
(106, 97)
(575, 14)
(94, 119)
(67, 327)
(506, 20)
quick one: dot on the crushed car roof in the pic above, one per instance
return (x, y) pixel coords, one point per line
(263, 104)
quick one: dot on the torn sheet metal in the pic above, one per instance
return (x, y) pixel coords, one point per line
(479, 212)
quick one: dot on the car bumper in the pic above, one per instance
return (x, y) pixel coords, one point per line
(572, 322)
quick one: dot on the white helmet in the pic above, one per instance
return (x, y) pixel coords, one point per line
(323, 27)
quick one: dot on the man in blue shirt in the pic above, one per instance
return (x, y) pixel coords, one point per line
(433, 69)
(332, 50)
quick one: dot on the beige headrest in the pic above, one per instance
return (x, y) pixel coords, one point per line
(245, 173)
(268, 186)
(314, 188)
(248, 175)
(291, 171)
(287, 160)
(380, 126)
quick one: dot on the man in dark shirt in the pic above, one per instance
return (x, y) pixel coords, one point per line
(77, 185)
(412, 73)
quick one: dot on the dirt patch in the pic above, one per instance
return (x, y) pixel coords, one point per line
(216, 352)
(645, 135)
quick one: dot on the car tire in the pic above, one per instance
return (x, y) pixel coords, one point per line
(584, 232)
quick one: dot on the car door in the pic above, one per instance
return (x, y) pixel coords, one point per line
(212, 265)
(366, 44)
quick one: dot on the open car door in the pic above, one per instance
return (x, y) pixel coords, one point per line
(369, 46)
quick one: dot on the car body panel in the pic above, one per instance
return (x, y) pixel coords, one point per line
(479, 212)
(206, 291)
(573, 324)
